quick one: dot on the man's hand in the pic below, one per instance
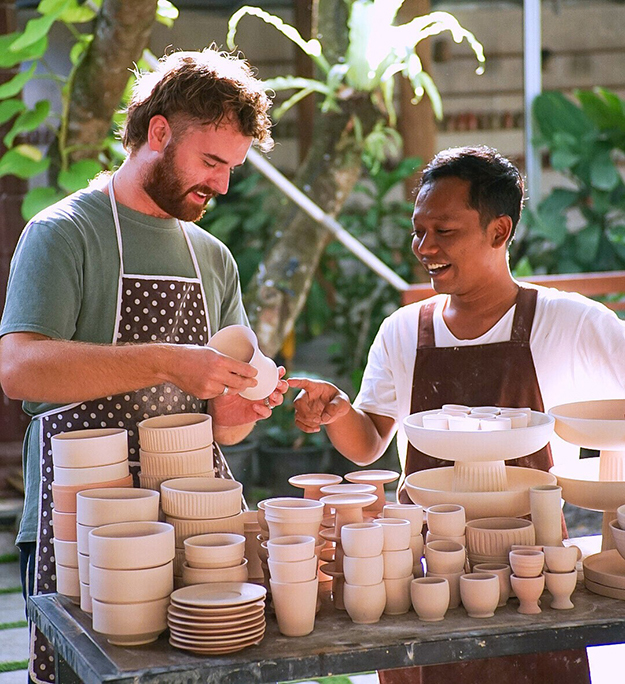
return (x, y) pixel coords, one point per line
(319, 403)
(233, 410)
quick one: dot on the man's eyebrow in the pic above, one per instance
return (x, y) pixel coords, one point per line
(214, 157)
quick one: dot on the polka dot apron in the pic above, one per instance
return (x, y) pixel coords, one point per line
(149, 309)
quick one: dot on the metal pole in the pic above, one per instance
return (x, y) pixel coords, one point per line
(329, 222)
(532, 82)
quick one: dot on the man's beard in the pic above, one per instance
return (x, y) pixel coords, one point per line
(165, 187)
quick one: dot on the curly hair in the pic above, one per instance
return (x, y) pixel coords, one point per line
(204, 87)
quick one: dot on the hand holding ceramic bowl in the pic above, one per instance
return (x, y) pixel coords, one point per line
(240, 342)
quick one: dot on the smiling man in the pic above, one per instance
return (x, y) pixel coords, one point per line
(113, 294)
(484, 339)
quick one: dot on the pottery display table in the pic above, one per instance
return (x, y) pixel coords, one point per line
(336, 646)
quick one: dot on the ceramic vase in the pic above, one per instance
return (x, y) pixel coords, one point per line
(561, 585)
(528, 591)
(546, 512)
(479, 593)
(430, 598)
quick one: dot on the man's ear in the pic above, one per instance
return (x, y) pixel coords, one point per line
(502, 229)
(159, 133)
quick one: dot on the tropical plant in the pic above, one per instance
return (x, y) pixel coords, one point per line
(579, 227)
(84, 143)
(362, 52)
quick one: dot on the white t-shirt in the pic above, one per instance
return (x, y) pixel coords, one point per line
(578, 347)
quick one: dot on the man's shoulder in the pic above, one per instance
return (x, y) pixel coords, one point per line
(407, 316)
(74, 210)
(554, 301)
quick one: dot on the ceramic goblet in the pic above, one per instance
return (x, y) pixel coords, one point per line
(430, 598)
(528, 591)
(448, 520)
(561, 585)
(479, 593)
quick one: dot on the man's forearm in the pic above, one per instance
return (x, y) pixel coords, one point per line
(357, 437)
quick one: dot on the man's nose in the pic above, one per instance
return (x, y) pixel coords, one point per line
(426, 244)
(220, 181)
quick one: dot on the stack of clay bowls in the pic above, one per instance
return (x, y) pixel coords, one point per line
(364, 592)
(179, 445)
(251, 532)
(398, 562)
(97, 507)
(561, 574)
(527, 579)
(83, 459)
(446, 523)
(131, 578)
(217, 618)
(414, 514)
(294, 584)
(200, 505)
(215, 557)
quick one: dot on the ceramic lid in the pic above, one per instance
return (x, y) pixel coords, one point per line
(607, 568)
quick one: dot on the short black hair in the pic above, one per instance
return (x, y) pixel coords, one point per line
(496, 185)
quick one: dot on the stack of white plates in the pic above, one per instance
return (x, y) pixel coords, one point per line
(217, 618)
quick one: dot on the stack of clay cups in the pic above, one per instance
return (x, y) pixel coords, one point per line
(447, 559)
(414, 514)
(200, 505)
(261, 539)
(179, 445)
(447, 522)
(82, 459)
(527, 579)
(131, 578)
(97, 507)
(215, 557)
(398, 561)
(364, 591)
(294, 584)
(561, 574)
(287, 515)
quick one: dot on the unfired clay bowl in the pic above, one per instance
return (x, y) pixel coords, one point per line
(80, 476)
(201, 498)
(291, 548)
(447, 520)
(96, 507)
(216, 550)
(176, 432)
(592, 424)
(293, 571)
(132, 545)
(490, 539)
(430, 598)
(88, 448)
(479, 593)
(396, 532)
(236, 573)
(64, 497)
(445, 556)
(364, 604)
(362, 539)
(363, 571)
(167, 465)
(131, 586)
(130, 624)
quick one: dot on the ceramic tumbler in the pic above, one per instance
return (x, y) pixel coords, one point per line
(295, 605)
(364, 604)
(479, 593)
(430, 598)
(448, 520)
(503, 572)
(546, 512)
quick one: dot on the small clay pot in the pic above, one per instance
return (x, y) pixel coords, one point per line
(130, 624)
(448, 520)
(454, 585)
(445, 556)
(363, 571)
(561, 558)
(236, 573)
(397, 564)
(293, 571)
(397, 533)
(479, 593)
(362, 540)
(430, 598)
(503, 572)
(411, 512)
(291, 548)
(215, 550)
(398, 599)
(295, 605)
(364, 603)
(131, 586)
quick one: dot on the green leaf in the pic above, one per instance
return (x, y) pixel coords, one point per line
(47, 7)
(9, 59)
(28, 121)
(166, 13)
(38, 199)
(9, 108)
(603, 173)
(78, 175)
(35, 30)
(587, 244)
(15, 85)
(600, 111)
(554, 113)
(79, 48)
(18, 162)
(77, 12)
(562, 159)
(290, 82)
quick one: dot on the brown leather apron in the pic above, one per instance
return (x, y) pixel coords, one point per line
(150, 308)
(501, 374)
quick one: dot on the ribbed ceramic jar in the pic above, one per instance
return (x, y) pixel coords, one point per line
(177, 432)
(489, 539)
(201, 498)
(176, 464)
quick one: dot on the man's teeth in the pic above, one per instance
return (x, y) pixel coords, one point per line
(436, 267)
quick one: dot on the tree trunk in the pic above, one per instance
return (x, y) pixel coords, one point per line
(121, 33)
(278, 291)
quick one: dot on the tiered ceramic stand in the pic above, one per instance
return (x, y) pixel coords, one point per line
(479, 480)
(598, 483)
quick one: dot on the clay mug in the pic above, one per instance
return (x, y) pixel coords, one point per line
(362, 540)
(479, 593)
(503, 572)
(561, 585)
(448, 520)
(397, 533)
(561, 558)
(445, 556)
(527, 562)
(240, 342)
(430, 598)
(363, 571)
(528, 591)
(364, 604)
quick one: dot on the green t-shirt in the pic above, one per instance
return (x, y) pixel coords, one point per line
(64, 279)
